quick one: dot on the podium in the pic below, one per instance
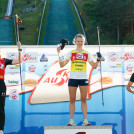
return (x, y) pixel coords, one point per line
(78, 130)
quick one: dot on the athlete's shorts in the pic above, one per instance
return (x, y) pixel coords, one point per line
(78, 82)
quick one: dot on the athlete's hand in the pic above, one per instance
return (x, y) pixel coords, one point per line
(99, 56)
(58, 49)
(63, 42)
(19, 44)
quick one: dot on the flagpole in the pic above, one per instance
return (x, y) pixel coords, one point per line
(18, 20)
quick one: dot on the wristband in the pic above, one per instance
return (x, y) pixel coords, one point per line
(61, 59)
(19, 49)
(98, 59)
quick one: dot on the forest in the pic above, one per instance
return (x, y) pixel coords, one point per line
(114, 17)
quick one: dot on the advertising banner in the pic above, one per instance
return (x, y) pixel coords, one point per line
(43, 98)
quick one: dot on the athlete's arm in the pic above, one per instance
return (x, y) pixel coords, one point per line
(63, 63)
(130, 83)
(16, 61)
(94, 64)
(91, 62)
(128, 87)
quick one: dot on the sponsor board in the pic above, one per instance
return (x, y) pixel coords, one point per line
(52, 88)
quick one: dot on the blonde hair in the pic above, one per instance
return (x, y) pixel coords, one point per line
(80, 36)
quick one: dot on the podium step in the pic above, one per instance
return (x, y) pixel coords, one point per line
(78, 130)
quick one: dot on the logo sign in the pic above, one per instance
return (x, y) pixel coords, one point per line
(12, 55)
(13, 94)
(1, 66)
(106, 80)
(129, 68)
(113, 56)
(115, 67)
(79, 56)
(43, 58)
(12, 71)
(59, 79)
(30, 82)
(32, 68)
(13, 67)
(127, 56)
(3, 94)
(121, 56)
(13, 82)
(30, 57)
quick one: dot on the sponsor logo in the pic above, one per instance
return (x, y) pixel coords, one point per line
(17, 66)
(43, 58)
(14, 94)
(3, 94)
(30, 82)
(60, 78)
(1, 66)
(32, 68)
(45, 65)
(113, 56)
(13, 82)
(1, 76)
(29, 57)
(126, 79)
(129, 68)
(118, 64)
(86, 81)
(12, 56)
(127, 56)
(79, 56)
(13, 67)
(45, 69)
(106, 80)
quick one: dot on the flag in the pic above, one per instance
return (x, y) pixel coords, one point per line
(18, 20)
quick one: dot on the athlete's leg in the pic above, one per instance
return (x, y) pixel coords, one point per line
(72, 94)
(84, 91)
(2, 109)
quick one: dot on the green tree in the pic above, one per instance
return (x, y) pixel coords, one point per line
(115, 17)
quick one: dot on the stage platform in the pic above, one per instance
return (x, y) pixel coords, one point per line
(78, 130)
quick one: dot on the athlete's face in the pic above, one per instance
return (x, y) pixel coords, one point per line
(79, 42)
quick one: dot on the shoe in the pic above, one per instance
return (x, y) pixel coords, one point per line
(71, 123)
(86, 123)
(1, 132)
